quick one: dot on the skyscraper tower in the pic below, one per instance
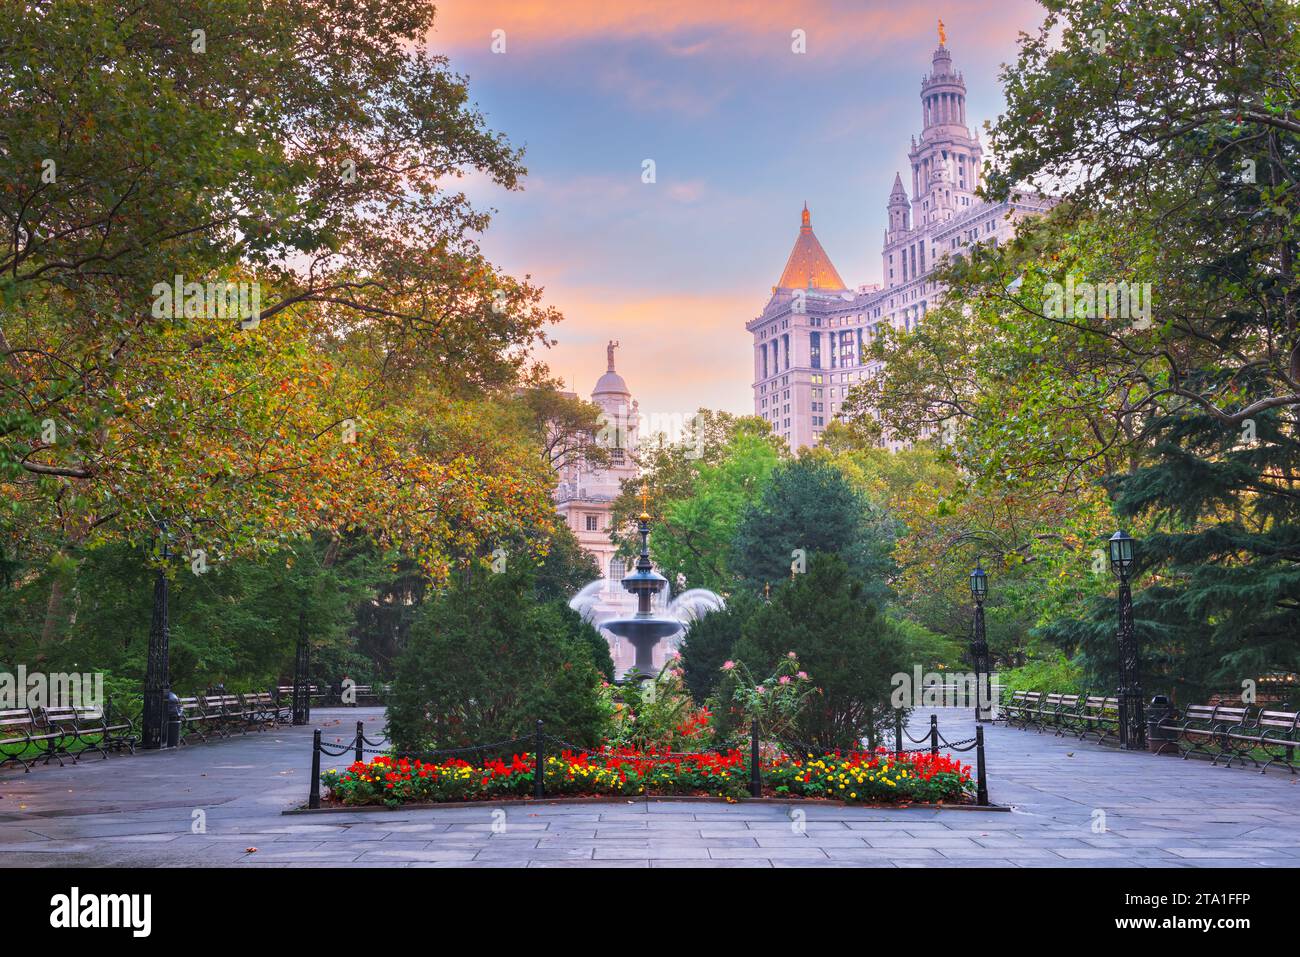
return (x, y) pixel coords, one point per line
(811, 340)
(946, 162)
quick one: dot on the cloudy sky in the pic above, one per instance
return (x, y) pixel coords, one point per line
(742, 132)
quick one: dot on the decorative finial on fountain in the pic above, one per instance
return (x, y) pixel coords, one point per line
(645, 502)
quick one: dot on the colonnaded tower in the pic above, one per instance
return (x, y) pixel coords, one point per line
(810, 342)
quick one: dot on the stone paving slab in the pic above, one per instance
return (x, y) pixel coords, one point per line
(1074, 805)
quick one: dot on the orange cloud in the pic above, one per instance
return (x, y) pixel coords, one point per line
(681, 25)
(678, 352)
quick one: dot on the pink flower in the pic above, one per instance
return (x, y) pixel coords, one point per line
(791, 655)
(760, 689)
(785, 679)
(803, 675)
(728, 665)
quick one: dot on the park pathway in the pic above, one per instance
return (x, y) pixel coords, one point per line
(1074, 804)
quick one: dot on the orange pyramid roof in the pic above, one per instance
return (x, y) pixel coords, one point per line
(808, 266)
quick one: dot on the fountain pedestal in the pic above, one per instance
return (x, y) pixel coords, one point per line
(645, 629)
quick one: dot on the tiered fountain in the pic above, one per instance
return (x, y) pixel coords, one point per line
(646, 628)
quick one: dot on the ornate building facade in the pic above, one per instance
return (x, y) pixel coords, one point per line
(585, 495)
(810, 342)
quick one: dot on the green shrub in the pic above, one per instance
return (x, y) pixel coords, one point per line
(484, 661)
(1057, 675)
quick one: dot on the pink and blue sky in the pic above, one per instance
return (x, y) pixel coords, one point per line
(742, 131)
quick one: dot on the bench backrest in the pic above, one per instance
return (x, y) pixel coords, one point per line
(1033, 697)
(71, 714)
(1200, 712)
(1096, 702)
(222, 701)
(16, 719)
(50, 716)
(1069, 701)
(1279, 720)
(1053, 699)
(189, 704)
(1231, 715)
(1017, 697)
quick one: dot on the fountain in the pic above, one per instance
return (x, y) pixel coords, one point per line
(654, 619)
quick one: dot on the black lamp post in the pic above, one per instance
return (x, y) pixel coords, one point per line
(302, 674)
(157, 679)
(979, 647)
(1132, 722)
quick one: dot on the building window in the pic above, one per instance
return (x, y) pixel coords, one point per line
(593, 523)
(617, 569)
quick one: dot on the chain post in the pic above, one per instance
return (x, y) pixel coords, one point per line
(539, 765)
(981, 779)
(313, 800)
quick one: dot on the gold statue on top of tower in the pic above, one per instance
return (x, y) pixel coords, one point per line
(943, 36)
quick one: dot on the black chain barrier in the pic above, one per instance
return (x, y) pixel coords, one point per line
(362, 745)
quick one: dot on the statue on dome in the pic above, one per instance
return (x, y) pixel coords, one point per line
(609, 353)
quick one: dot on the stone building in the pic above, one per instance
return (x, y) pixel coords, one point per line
(585, 495)
(811, 339)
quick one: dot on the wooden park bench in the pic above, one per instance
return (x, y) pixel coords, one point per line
(1230, 732)
(1022, 709)
(88, 728)
(261, 710)
(1062, 712)
(284, 697)
(1048, 712)
(21, 731)
(1196, 727)
(1099, 716)
(230, 713)
(195, 720)
(1277, 734)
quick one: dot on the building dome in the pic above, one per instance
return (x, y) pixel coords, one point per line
(611, 383)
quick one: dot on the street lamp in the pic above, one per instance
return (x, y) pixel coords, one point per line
(1132, 722)
(302, 673)
(157, 680)
(979, 648)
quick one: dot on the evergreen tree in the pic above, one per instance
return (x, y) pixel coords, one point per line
(808, 506)
(848, 648)
(710, 641)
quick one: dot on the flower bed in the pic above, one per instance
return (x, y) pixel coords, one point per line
(861, 777)
(856, 778)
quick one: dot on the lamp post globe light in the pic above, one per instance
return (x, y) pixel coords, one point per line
(979, 647)
(1132, 721)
